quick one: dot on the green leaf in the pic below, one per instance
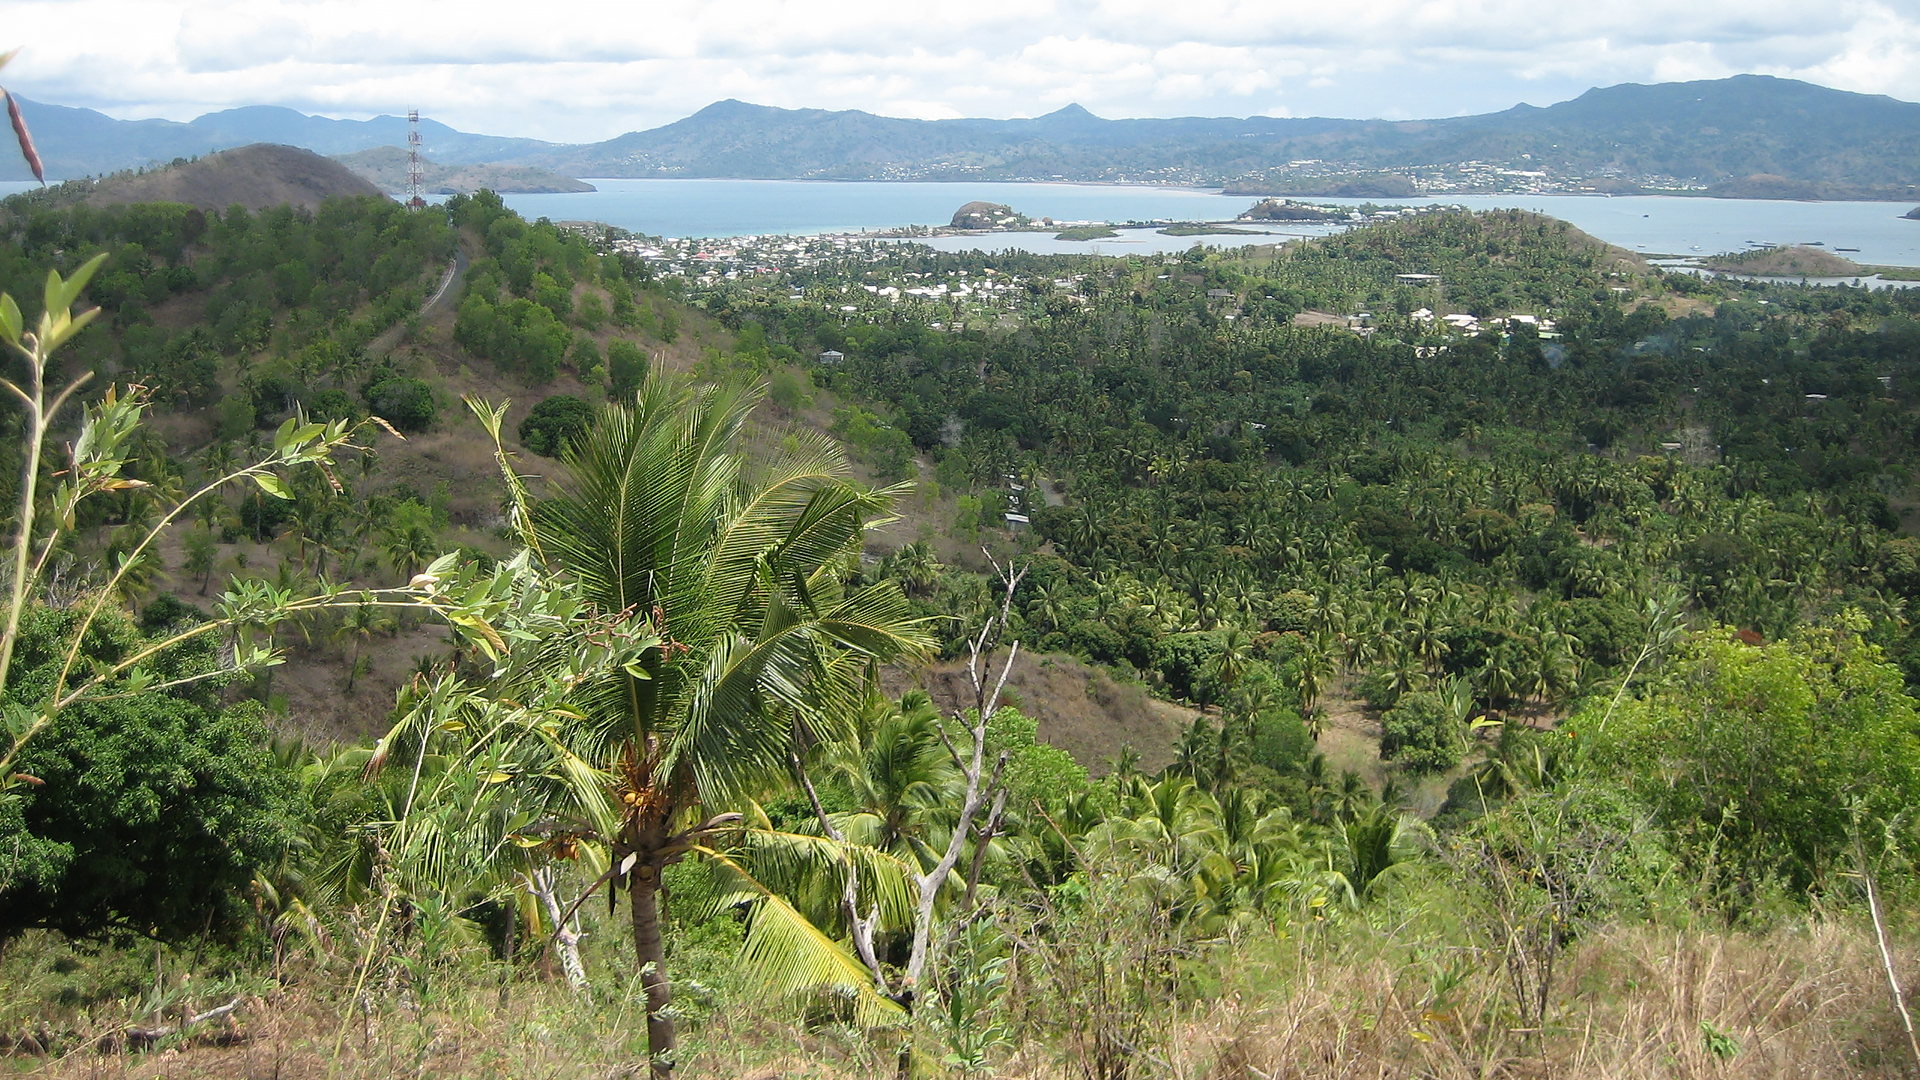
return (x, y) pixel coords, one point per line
(11, 324)
(273, 486)
(65, 328)
(19, 719)
(77, 284)
(62, 292)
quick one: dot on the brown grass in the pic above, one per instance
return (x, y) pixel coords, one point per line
(1802, 1003)
(1805, 1002)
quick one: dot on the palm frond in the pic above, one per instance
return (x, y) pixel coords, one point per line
(791, 955)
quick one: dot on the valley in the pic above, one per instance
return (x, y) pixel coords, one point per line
(1451, 645)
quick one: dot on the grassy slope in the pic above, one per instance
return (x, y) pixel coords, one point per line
(1080, 709)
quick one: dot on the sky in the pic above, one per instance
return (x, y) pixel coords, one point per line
(588, 70)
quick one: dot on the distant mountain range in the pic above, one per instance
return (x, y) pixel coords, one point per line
(1792, 139)
(81, 142)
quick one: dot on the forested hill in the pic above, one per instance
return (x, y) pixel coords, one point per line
(1704, 131)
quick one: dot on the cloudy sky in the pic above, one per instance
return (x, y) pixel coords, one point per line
(590, 70)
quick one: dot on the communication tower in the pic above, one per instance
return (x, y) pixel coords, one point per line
(414, 173)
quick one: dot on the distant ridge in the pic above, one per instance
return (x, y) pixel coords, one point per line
(83, 142)
(257, 177)
(1845, 144)
(1748, 133)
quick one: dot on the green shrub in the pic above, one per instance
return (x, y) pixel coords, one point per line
(154, 808)
(332, 405)
(1754, 756)
(1421, 734)
(791, 390)
(554, 423)
(626, 370)
(405, 403)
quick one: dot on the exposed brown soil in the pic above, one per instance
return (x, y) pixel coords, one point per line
(1081, 709)
(1318, 318)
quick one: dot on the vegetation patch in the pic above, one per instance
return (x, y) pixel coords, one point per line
(1087, 232)
(1799, 261)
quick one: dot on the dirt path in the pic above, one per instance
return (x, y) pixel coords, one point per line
(449, 287)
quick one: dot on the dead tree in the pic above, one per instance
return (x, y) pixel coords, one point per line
(982, 806)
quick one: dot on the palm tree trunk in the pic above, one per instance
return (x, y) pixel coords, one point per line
(650, 950)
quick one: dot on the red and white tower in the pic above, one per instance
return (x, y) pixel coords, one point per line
(415, 175)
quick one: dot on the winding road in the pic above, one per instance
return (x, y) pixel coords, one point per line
(442, 296)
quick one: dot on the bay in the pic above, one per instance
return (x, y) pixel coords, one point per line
(719, 208)
(1651, 224)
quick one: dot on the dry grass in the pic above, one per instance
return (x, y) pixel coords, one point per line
(1639, 1004)
(1636, 1004)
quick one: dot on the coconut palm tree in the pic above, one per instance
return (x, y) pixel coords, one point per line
(356, 629)
(900, 776)
(409, 548)
(658, 512)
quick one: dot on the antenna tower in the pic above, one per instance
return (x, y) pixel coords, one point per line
(414, 172)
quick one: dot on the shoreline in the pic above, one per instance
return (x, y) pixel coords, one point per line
(1220, 190)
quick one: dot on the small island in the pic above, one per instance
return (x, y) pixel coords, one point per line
(1288, 210)
(1087, 232)
(1798, 261)
(1335, 186)
(986, 216)
(1201, 228)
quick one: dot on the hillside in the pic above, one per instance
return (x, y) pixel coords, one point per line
(386, 167)
(1384, 683)
(257, 177)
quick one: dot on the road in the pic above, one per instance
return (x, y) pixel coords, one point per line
(442, 297)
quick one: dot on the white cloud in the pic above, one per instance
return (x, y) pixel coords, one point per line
(594, 68)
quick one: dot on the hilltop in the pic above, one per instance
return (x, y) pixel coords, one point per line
(386, 166)
(256, 177)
